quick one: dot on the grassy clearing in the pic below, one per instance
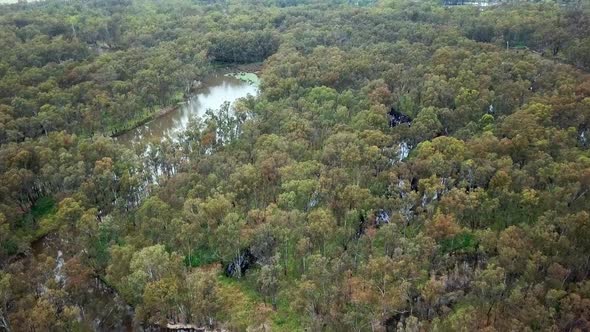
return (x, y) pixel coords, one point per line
(200, 257)
(246, 303)
(42, 207)
(32, 226)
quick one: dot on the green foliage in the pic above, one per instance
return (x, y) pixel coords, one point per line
(460, 243)
(43, 207)
(200, 257)
(10, 247)
(283, 318)
(406, 165)
(250, 78)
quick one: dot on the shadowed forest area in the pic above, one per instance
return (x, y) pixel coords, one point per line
(405, 166)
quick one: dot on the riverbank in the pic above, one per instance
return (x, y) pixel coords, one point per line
(150, 116)
(239, 71)
(225, 68)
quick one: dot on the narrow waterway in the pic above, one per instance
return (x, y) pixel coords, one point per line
(214, 91)
(2, 2)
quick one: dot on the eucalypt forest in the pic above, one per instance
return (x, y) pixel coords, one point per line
(294, 165)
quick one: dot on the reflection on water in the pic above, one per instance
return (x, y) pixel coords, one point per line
(2, 2)
(214, 92)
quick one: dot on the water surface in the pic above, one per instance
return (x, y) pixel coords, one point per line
(2, 2)
(214, 92)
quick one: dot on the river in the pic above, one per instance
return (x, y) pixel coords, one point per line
(214, 91)
(3, 2)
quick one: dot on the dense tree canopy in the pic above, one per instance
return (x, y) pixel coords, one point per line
(406, 166)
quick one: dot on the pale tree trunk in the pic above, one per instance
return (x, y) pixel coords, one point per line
(4, 322)
(74, 31)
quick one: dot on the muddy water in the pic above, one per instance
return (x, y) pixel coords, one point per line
(211, 95)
